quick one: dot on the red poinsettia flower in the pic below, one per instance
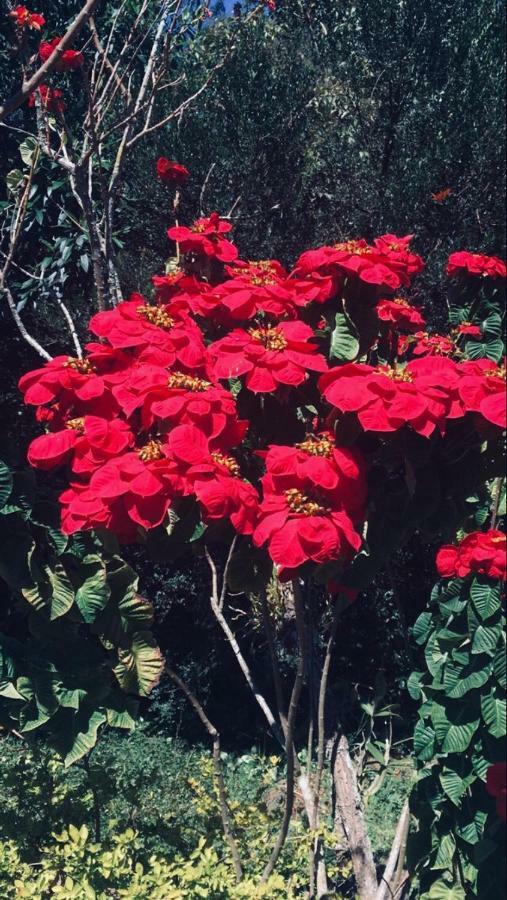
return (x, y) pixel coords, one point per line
(50, 99)
(465, 263)
(482, 553)
(399, 314)
(300, 528)
(317, 462)
(214, 478)
(496, 786)
(426, 344)
(137, 324)
(423, 394)
(67, 61)
(482, 390)
(396, 249)
(60, 377)
(23, 18)
(206, 237)
(88, 440)
(171, 172)
(466, 328)
(268, 356)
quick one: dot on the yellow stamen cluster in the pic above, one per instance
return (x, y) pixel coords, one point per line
(151, 451)
(83, 366)
(352, 247)
(228, 462)
(271, 338)
(395, 374)
(316, 446)
(301, 504)
(156, 315)
(400, 301)
(261, 280)
(187, 382)
(497, 372)
(76, 425)
(198, 227)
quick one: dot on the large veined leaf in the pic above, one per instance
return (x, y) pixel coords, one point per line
(454, 786)
(486, 638)
(344, 339)
(442, 891)
(460, 679)
(454, 727)
(84, 737)
(494, 714)
(140, 667)
(5, 483)
(422, 627)
(490, 347)
(424, 741)
(485, 597)
(93, 594)
(500, 666)
(54, 595)
(434, 655)
(445, 852)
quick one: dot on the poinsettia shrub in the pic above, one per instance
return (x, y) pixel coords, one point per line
(290, 426)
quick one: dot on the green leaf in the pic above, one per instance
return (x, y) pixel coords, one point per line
(344, 339)
(445, 853)
(500, 666)
(424, 741)
(454, 786)
(93, 593)
(414, 685)
(14, 179)
(140, 667)
(459, 680)
(442, 891)
(486, 638)
(5, 483)
(62, 591)
(494, 714)
(27, 150)
(485, 597)
(422, 627)
(84, 737)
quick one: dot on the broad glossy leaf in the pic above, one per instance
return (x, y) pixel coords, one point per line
(5, 483)
(93, 594)
(140, 667)
(344, 339)
(494, 714)
(84, 735)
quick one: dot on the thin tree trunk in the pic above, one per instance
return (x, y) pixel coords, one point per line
(354, 826)
(395, 862)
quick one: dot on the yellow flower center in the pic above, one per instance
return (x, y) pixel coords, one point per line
(271, 338)
(156, 315)
(395, 374)
(187, 382)
(496, 372)
(76, 424)
(302, 505)
(316, 446)
(83, 366)
(400, 301)
(152, 450)
(352, 247)
(198, 228)
(227, 461)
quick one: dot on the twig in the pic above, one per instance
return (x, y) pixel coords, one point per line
(204, 185)
(24, 333)
(399, 841)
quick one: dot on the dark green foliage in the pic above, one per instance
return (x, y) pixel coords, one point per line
(76, 648)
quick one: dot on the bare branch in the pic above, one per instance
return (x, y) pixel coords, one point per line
(38, 77)
(22, 330)
(385, 888)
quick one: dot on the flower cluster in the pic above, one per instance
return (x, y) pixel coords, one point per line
(180, 401)
(171, 172)
(480, 553)
(50, 99)
(465, 263)
(23, 18)
(66, 61)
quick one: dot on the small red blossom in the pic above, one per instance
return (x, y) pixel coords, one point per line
(171, 172)
(50, 99)
(496, 786)
(88, 441)
(478, 264)
(23, 18)
(481, 553)
(67, 61)
(399, 314)
(426, 344)
(441, 196)
(466, 328)
(206, 237)
(267, 356)
(423, 394)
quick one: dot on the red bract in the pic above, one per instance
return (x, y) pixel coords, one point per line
(387, 264)
(50, 99)
(469, 330)
(23, 18)
(215, 479)
(205, 237)
(268, 356)
(302, 527)
(496, 786)
(478, 553)
(399, 314)
(423, 394)
(465, 263)
(318, 463)
(482, 390)
(137, 324)
(67, 61)
(88, 441)
(171, 172)
(63, 378)
(432, 344)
